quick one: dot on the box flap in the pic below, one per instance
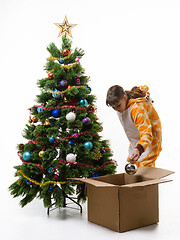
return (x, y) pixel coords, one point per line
(145, 183)
(153, 172)
(94, 182)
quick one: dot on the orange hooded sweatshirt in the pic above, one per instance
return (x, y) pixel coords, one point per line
(143, 129)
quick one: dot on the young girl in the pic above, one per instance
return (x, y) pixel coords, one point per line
(140, 122)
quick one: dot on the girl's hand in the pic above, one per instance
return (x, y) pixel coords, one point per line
(135, 155)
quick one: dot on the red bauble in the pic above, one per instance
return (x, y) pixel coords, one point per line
(34, 120)
(50, 75)
(92, 109)
(65, 52)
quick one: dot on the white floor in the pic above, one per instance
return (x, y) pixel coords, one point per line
(32, 221)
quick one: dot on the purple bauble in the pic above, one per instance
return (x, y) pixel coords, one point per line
(86, 121)
(75, 136)
(63, 83)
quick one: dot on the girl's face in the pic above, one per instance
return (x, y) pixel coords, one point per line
(121, 105)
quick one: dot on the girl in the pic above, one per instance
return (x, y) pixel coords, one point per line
(140, 122)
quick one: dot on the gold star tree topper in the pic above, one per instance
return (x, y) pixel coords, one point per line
(65, 27)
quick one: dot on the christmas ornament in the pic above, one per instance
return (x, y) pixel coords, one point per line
(65, 27)
(71, 143)
(103, 151)
(56, 94)
(41, 153)
(131, 168)
(50, 75)
(27, 156)
(77, 59)
(95, 175)
(65, 100)
(78, 81)
(88, 145)
(34, 119)
(28, 182)
(97, 155)
(92, 109)
(89, 89)
(65, 51)
(83, 103)
(61, 61)
(71, 158)
(40, 109)
(75, 136)
(51, 169)
(63, 83)
(30, 120)
(50, 190)
(47, 122)
(86, 121)
(51, 139)
(21, 146)
(56, 113)
(71, 116)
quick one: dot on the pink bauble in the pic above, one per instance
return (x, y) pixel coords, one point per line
(77, 59)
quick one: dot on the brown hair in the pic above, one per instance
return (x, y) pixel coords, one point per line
(116, 93)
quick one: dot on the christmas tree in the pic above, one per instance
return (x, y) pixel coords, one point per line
(62, 133)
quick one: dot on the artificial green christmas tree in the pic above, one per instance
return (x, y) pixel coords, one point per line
(63, 140)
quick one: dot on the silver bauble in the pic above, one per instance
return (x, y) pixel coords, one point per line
(131, 168)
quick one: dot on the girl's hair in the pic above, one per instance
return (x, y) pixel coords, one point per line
(116, 93)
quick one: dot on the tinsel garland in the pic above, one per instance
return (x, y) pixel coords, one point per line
(86, 165)
(65, 66)
(74, 136)
(74, 164)
(71, 137)
(20, 173)
(62, 107)
(64, 58)
(52, 91)
(37, 164)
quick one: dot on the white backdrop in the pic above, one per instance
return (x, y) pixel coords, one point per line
(127, 43)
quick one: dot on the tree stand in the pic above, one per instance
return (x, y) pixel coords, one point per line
(65, 203)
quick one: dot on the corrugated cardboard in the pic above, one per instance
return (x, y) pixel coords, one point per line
(124, 202)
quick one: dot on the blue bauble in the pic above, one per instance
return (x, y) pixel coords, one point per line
(88, 145)
(56, 113)
(51, 170)
(50, 189)
(51, 139)
(83, 103)
(63, 83)
(103, 151)
(28, 182)
(89, 89)
(95, 175)
(55, 94)
(86, 121)
(27, 156)
(71, 143)
(40, 109)
(61, 61)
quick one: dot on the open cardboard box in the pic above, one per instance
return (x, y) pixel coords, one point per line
(124, 202)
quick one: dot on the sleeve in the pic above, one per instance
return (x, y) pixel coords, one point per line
(140, 117)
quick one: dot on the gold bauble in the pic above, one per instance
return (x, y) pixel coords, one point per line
(41, 153)
(47, 122)
(65, 100)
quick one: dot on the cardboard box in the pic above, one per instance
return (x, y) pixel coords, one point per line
(124, 202)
